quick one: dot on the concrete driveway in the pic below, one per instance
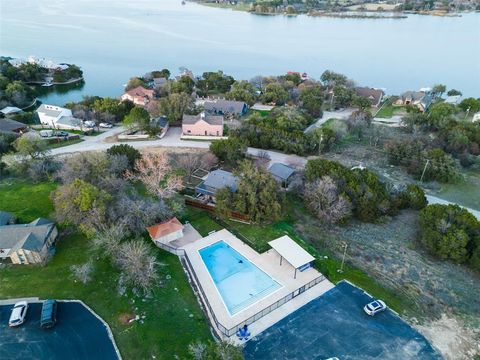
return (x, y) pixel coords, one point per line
(327, 115)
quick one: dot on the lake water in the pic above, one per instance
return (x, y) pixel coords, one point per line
(113, 40)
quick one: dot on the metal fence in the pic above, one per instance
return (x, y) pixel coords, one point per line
(170, 249)
(233, 330)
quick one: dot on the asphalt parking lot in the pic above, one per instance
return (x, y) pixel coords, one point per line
(78, 335)
(335, 325)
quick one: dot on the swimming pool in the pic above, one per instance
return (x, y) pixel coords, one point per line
(239, 282)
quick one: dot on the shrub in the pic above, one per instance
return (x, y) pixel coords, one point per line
(451, 232)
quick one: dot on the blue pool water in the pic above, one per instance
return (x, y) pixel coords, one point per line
(239, 282)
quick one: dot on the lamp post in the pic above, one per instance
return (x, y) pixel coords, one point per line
(345, 246)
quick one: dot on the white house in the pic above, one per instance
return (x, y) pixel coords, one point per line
(57, 117)
(167, 231)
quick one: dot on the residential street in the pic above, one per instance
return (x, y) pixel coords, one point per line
(172, 139)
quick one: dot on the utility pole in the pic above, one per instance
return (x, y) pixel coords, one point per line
(424, 169)
(345, 245)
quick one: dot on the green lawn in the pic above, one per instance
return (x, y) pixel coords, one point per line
(388, 111)
(258, 237)
(173, 317)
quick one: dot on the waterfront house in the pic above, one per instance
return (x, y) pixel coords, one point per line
(214, 181)
(10, 110)
(9, 126)
(57, 117)
(226, 107)
(166, 231)
(30, 243)
(375, 96)
(202, 125)
(281, 172)
(420, 99)
(139, 95)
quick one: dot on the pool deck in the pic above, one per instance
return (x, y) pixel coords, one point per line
(269, 262)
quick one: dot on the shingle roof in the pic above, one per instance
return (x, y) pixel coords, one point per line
(225, 106)
(218, 179)
(30, 236)
(9, 125)
(373, 95)
(5, 218)
(140, 91)
(165, 228)
(210, 119)
(159, 81)
(281, 171)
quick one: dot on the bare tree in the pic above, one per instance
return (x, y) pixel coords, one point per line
(137, 265)
(324, 201)
(156, 173)
(198, 350)
(82, 272)
(208, 161)
(189, 162)
(107, 240)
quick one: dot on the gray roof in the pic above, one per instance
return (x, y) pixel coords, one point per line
(30, 236)
(70, 121)
(210, 119)
(5, 218)
(11, 126)
(10, 110)
(373, 95)
(225, 106)
(159, 81)
(281, 171)
(454, 99)
(219, 179)
(413, 95)
(161, 121)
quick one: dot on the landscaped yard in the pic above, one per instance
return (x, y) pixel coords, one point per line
(63, 143)
(258, 237)
(388, 111)
(172, 320)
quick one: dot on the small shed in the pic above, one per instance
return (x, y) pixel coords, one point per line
(10, 110)
(281, 172)
(293, 253)
(166, 231)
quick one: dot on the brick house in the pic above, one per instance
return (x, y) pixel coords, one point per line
(139, 95)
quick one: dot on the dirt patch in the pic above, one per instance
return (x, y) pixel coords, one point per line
(126, 318)
(451, 338)
(390, 253)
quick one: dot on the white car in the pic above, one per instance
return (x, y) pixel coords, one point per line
(105, 125)
(375, 307)
(19, 311)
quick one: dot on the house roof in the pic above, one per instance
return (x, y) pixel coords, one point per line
(50, 110)
(373, 95)
(10, 110)
(30, 236)
(210, 119)
(5, 218)
(225, 106)
(11, 126)
(165, 228)
(413, 95)
(159, 81)
(69, 120)
(140, 91)
(218, 179)
(281, 171)
(291, 251)
(454, 99)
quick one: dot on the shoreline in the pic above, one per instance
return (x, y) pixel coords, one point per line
(348, 14)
